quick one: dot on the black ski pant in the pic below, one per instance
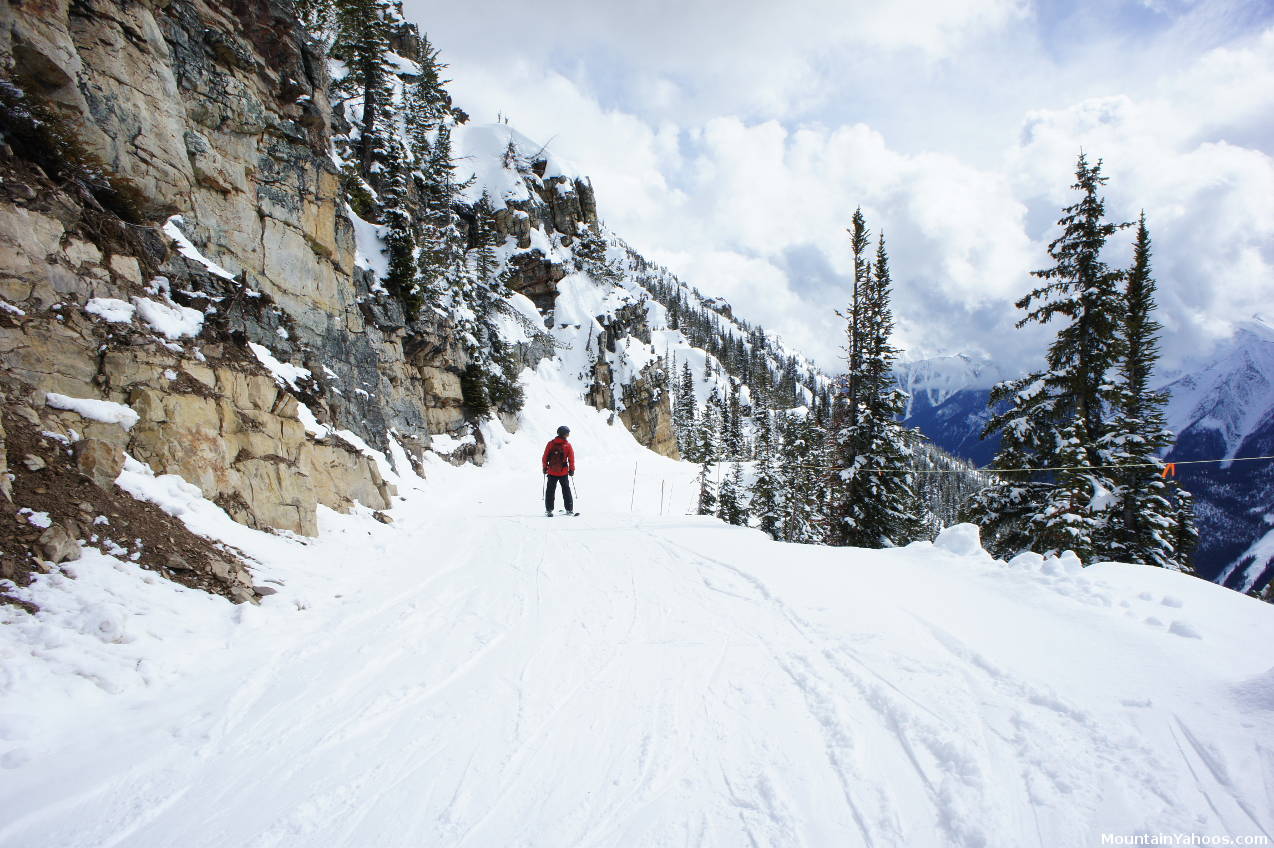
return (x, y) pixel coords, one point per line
(567, 500)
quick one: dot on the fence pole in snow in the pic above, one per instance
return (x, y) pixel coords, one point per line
(661, 497)
(633, 499)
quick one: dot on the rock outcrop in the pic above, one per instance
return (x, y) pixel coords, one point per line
(220, 114)
(168, 201)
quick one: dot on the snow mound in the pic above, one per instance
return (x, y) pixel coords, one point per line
(169, 319)
(106, 411)
(961, 540)
(110, 309)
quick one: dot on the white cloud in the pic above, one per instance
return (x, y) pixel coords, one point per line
(748, 57)
(733, 142)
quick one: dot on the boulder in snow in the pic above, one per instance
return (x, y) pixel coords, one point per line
(99, 461)
(58, 544)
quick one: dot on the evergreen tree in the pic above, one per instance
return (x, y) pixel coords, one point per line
(710, 428)
(736, 443)
(443, 265)
(362, 40)
(1003, 509)
(400, 238)
(766, 502)
(1074, 511)
(1058, 416)
(590, 257)
(685, 414)
(803, 472)
(1144, 520)
(486, 242)
(1082, 288)
(707, 490)
(731, 507)
(427, 99)
(483, 292)
(1186, 536)
(857, 317)
(874, 501)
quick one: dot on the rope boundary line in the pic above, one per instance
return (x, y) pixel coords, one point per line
(980, 470)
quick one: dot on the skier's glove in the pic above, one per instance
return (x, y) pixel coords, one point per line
(572, 472)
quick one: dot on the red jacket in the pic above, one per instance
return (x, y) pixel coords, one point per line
(567, 449)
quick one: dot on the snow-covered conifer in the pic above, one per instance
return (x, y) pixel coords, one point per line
(1058, 417)
(802, 467)
(766, 502)
(400, 238)
(1143, 524)
(732, 500)
(707, 490)
(362, 40)
(874, 503)
(685, 414)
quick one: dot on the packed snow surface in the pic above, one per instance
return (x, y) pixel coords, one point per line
(476, 674)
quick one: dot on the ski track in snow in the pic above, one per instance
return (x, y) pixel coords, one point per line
(475, 675)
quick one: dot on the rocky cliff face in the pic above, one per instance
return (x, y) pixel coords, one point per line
(217, 112)
(174, 240)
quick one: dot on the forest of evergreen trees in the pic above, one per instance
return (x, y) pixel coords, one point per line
(1078, 467)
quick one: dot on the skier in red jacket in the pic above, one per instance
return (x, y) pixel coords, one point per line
(559, 464)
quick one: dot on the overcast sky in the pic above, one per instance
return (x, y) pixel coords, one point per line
(732, 141)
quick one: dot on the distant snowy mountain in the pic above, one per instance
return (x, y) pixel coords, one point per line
(1225, 409)
(935, 380)
(1220, 407)
(1228, 400)
(948, 401)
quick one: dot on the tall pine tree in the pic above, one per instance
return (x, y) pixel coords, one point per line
(1144, 526)
(766, 501)
(685, 414)
(362, 41)
(874, 502)
(707, 490)
(1057, 427)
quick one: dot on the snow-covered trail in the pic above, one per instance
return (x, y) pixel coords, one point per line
(479, 675)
